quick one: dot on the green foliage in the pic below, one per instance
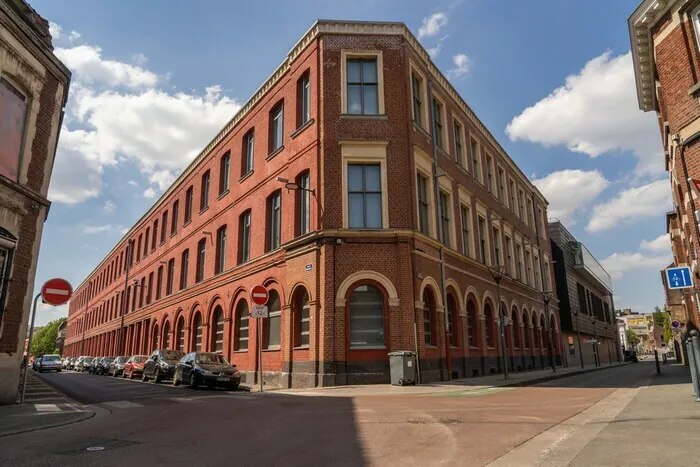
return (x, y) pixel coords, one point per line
(44, 341)
(632, 338)
(659, 317)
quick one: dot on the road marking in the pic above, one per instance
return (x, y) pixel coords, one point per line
(123, 404)
(47, 408)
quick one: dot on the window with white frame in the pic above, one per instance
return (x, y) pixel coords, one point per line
(458, 130)
(519, 259)
(509, 256)
(528, 266)
(476, 160)
(423, 203)
(537, 271)
(530, 216)
(364, 196)
(521, 205)
(513, 193)
(501, 180)
(547, 286)
(482, 239)
(445, 217)
(13, 105)
(465, 219)
(496, 246)
(417, 89)
(439, 115)
(489, 174)
(362, 86)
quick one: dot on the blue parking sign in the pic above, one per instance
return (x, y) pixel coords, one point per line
(679, 278)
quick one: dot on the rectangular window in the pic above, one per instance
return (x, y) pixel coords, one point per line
(154, 240)
(459, 144)
(204, 191)
(304, 323)
(537, 271)
(244, 238)
(496, 247)
(138, 249)
(274, 220)
(509, 257)
(519, 259)
(530, 216)
(248, 153)
(145, 242)
(13, 108)
(201, 259)
(173, 222)
(512, 196)
(422, 189)
(164, 227)
(364, 196)
(303, 203)
(489, 174)
(159, 282)
(583, 308)
(184, 267)
(188, 204)
(220, 265)
(528, 266)
(149, 293)
(521, 205)
(547, 278)
(303, 100)
(482, 239)
(502, 185)
(474, 146)
(362, 86)
(465, 219)
(437, 114)
(224, 172)
(445, 218)
(417, 87)
(276, 127)
(171, 277)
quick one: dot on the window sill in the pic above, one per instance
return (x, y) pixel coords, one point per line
(488, 347)
(462, 168)
(302, 347)
(420, 128)
(203, 210)
(378, 347)
(162, 242)
(694, 89)
(172, 234)
(245, 176)
(303, 127)
(188, 222)
(274, 153)
(274, 348)
(241, 351)
(364, 117)
(222, 194)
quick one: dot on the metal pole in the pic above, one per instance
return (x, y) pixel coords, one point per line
(260, 354)
(578, 335)
(502, 322)
(693, 369)
(29, 347)
(122, 307)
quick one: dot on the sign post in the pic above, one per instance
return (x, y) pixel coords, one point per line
(259, 296)
(54, 292)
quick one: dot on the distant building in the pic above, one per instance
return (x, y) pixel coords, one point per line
(33, 92)
(584, 289)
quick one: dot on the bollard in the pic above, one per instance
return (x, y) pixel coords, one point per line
(656, 358)
(693, 370)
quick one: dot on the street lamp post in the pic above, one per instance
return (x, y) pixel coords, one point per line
(578, 335)
(497, 274)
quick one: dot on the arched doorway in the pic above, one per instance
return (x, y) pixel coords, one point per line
(196, 345)
(240, 328)
(180, 334)
(216, 341)
(166, 335)
(302, 318)
(154, 338)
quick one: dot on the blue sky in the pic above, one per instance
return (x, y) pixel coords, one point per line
(552, 80)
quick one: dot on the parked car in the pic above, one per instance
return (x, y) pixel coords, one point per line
(93, 365)
(83, 363)
(35, 363)
(71, 365)
(134, 366)
(103, 366)
(161, 365)
(65, 363)
(631, 356)
(208, 368)
(116, 368)
(50, 362)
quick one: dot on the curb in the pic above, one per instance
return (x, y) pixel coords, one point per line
(555, 376)
(86, 415)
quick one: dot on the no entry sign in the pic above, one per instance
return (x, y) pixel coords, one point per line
(259, 295)
(56, 291)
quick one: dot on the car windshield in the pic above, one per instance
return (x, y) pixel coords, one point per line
(140, 359)
(211, 358)
(87, 360)
(120, 360)
(107, 359)
(172, 354)
(50, 358)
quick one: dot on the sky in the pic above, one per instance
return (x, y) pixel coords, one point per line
(154, 81)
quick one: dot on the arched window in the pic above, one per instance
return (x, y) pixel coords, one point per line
(515, 326)
(180, 334)
(302, 318)
(272, 325)
(166, 335)
(240, 338)
(217, 331)
(452, 321)
(428, 318)
(471, 324)
(544, 335)
(154, 339)
(197, 333)
(535, 342)
(488, 325)
(366, 318)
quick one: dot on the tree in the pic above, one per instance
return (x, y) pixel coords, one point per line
(44, 341)
(632, 338)
(659, 317)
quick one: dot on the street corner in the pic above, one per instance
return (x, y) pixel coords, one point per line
(28, 417)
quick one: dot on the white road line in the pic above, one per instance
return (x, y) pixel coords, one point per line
(47, 408)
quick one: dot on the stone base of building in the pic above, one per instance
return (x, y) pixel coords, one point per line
(10, 367)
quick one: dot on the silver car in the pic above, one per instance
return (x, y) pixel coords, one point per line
(49, 363)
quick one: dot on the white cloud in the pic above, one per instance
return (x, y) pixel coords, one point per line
(116, 115)
(89, 66)
(593, 113)
(55, 30)
(97, 229)
(139, 59)
(109, 206)
(149, 193)
(660, 244)
(435, 51)
(73, 36)
(569, 191)
(462, 66)
(619, 263)
(432, 24)
(631, 204)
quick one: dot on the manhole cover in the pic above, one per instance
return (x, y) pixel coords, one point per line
(95, 448)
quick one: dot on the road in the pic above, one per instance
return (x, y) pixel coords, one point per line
(582, 420)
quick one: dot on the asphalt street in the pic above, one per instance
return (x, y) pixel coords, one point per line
(154, 425)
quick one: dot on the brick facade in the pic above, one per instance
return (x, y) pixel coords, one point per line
(331, 261)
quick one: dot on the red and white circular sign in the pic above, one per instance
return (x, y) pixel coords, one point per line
(259, 295)
(56, 291)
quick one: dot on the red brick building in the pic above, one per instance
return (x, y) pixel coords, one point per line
(353, 263)
(665, 37)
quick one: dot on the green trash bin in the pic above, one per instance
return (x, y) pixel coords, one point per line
(402, 367)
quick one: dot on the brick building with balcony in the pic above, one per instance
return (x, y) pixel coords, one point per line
(33, 92)
(323, 188)
(665, 39)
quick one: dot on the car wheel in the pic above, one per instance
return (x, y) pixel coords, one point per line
(176, 382)
(131, 375)
(144, 378)
(193, 381)
(156, 377)
(233, 387)
(58, 371)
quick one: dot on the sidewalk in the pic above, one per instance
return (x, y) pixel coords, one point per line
(44, 407)
(482, 383)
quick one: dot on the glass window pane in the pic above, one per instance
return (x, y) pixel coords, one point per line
(371, 101)
(366, 317)
(355, 178)
(369, 72)
(354, 99)
(273, 330)
(373, 204)
(356, 211)
(372, 178)
(353, 70)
